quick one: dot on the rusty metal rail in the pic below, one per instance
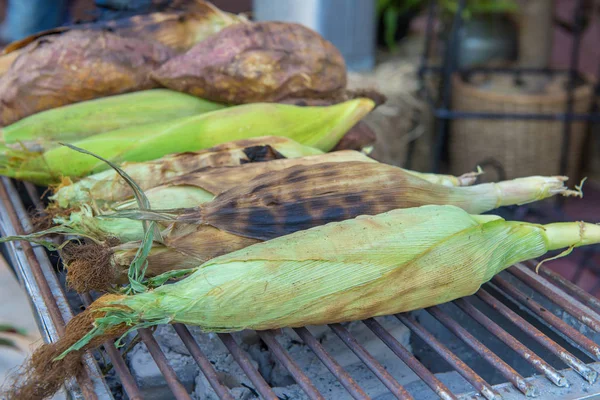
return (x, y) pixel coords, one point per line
(506, 370)
(37, 275)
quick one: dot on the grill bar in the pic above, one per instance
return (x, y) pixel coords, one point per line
(165, 368)
(36, 269)
(243, 360)
(203, 362)
(506, 370)
(332, 365)
(537, 362)
(569, 287)
(284, 358)
(463, 369)
(375, 367)
(588, 345)
(557, 296)
(579, 366)
(129, 385)
(430, 379)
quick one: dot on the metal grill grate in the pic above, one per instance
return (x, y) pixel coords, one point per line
(574, 378)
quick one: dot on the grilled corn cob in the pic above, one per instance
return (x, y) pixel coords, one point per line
(320, 127)
(369, 266)
(302, 197)
(108, 186)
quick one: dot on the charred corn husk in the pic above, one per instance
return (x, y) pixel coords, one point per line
(302, 197)
(186, 191)
(74, 122)
(108, 186)
(320, 127)
(369, 266)
(199, 187)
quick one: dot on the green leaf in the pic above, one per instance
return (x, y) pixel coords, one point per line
(144, 215)
(382, 5)
(138, 266)
(391, 26)
(36, 237)
(167, 276)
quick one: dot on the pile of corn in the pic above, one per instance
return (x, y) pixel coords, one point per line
(229, 217)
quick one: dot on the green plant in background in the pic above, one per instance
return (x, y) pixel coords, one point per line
(7, 342)
(389, 12)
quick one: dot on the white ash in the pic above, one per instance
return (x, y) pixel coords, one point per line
(148, 377)
(231, 375)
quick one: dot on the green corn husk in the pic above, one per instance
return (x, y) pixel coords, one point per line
(108, 186)
(366, 267)
(44, 130)
(320, 127)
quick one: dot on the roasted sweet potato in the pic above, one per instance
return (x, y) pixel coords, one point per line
(258, 62)
(78, 65)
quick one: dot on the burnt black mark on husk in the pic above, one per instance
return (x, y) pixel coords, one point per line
(298, 179)
(294, 174)
(262, 153)
(269, 200)
(333, 172)
(259, 217)
(334, 213)
(318, 204)
(260, 188)
(388, 199)
(294, 213)
(353, 198)
(360, 209)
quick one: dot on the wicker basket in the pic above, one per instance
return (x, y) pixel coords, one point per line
(520, 147)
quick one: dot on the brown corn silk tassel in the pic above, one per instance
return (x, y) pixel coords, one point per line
(41, 376)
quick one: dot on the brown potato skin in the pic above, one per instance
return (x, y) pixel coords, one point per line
(76, 66)
(258, 62)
